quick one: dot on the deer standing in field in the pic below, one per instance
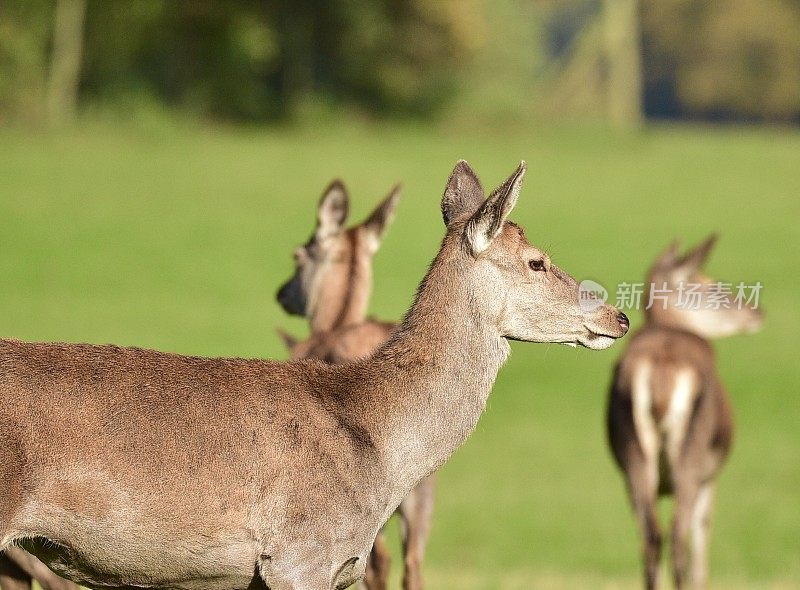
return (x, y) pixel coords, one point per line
(124, 468)
(331, 286)
(669, 416)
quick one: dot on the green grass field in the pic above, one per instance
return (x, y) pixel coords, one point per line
(178, 239)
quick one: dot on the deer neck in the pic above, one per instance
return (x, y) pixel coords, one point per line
(346, 294)
(668, 319)
(434, 376)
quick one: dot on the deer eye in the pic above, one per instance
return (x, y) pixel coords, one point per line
(536, 265)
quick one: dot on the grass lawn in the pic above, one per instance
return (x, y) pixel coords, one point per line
(177, 239)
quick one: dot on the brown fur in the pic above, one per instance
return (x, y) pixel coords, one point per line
(662, 454)
(352, 336)
(204, 473)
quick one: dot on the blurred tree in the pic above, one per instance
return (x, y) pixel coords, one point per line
(623, 56)
(261, 60)
(214, 59)
(735, 59)
(265, 59)
(385, 56)
(65, 64)
(25, 27)
(596, 65)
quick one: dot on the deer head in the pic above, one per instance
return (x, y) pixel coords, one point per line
(687, 298)
(514, 284)
(333, 269)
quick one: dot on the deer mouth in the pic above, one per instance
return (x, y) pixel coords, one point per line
(596, 340)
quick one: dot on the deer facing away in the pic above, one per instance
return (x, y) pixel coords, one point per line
(150, 469)
(669, 416)
(331, 286)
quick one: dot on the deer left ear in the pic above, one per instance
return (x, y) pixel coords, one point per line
(696, 258)
(380, 219)
(332, 210)
(487, 222)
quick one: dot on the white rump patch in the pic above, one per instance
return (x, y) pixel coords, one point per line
(676, 421)
(646, 431)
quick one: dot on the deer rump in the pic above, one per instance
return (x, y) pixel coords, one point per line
(124, 467)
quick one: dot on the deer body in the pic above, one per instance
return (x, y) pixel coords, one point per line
(128, 468)
(669, 417)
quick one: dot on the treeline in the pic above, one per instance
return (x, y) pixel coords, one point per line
(271, 60)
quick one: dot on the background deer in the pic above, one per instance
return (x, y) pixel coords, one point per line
(157, 470)
(331, 286)
(669, 417)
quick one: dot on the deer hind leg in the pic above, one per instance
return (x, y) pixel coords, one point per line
(701, 524)
(686, 497)
(416, 512)
(643, 473)
(13, 577)
(644, 498)
(377, 575)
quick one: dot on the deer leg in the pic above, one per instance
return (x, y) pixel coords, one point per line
(13, 577)
(686, 495)
(643, 489)
(416, 512)
(377, 575)
(38, 571)
(701, 523)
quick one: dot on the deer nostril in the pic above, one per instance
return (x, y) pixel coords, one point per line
(624, 322)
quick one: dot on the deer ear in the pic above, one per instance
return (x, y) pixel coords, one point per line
(289, 341)
(332, 210)
(463, 193)
(487, 222)
(695, 259)
(382, 217)
(668, 257)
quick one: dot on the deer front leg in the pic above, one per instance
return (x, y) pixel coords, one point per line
(416, 512)
(377, 575)
(38, 571)
(13, 577)
(701, 523)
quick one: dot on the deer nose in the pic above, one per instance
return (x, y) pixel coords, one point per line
(624, 322)
(281, 295)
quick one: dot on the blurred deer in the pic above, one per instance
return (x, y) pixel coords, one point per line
(669, 416)
(331, 286)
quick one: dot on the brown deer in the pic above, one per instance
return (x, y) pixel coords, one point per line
(331, 286)
(127, 468)
(669, 416)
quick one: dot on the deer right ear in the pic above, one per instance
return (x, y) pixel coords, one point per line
(487, 222)
(463, 193)
(332, 210)
(696, 258)
(381, 217)
(669, 256)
